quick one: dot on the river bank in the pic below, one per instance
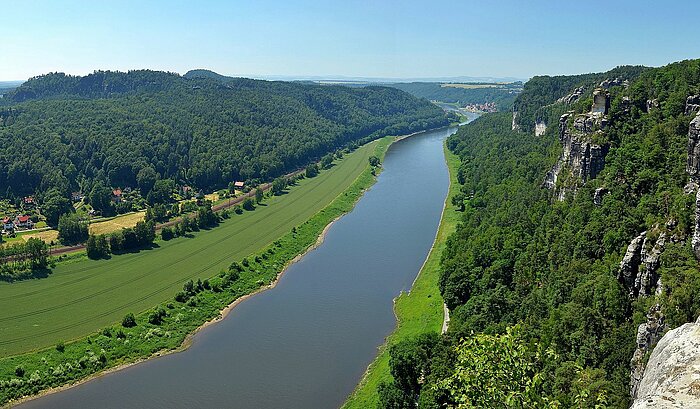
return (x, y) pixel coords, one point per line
(287, 249)
(418, 311)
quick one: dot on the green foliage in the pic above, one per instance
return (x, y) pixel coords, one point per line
(373, 161)
(311, 170)
(129, 321)
(498, 371)
(72, 229)
(278, 186)
(130, 129)
(248, 204)
(97, 247)
(258, 196)
(54, 205)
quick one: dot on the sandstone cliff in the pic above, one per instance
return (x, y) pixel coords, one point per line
(672, 376)
(582, 159)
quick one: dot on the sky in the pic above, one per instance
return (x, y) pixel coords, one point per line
(350, 38)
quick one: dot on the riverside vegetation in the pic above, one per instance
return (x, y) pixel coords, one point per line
(166, 326)
(542, 279)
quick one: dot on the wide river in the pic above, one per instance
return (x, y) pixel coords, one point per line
(306, 342)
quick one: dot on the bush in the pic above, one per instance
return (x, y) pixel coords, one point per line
(97, 247)
(156, 317)
(71, 229)
(129, 321)
(166, 233)
(249, 204)
(311, 170)
(60, 347)
(19, 371)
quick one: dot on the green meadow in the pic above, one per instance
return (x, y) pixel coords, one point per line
(81, 297)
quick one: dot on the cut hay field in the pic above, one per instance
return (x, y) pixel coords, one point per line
(116, 223)
(82, 297)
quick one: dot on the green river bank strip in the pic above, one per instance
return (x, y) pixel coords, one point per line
(167, 327)
(420, 310)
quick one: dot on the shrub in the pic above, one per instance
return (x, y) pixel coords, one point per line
(129, 321)
(60, 347)
(19, 371)
(249, 204)
(166, 233)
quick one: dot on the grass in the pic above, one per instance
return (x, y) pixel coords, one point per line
(114, 345)
(47, 235)
(80, 297)
(116, 223)
(417, 312)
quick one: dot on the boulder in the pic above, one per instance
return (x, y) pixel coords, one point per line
(672, 376)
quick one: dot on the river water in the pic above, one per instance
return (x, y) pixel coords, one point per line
(307, 342)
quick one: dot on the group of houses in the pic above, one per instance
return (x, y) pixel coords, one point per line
(21, 221)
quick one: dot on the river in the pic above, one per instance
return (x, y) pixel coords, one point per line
(306, 342)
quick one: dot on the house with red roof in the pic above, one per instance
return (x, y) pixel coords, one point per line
(8, 225)
(24, 221)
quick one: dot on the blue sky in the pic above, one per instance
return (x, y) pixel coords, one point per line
(349, 38)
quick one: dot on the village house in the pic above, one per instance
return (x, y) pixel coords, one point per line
(117, 195)
(238, 185)
(76, 196)
(8, 225)
(29, 201)
(24, 221)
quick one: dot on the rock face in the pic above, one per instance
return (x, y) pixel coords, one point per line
(514, 125)
(693, 161)
(601, 102)
(540, 127)
(648, 335)
(573, 97)
(695, 242)
(580, 156)
(598, 196)
(672, 376)
(692, 104)
(640, 264)
(629, 266)
(616, 82)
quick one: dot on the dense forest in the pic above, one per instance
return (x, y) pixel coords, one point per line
(64, 133)
(502, 95)
(541, 312)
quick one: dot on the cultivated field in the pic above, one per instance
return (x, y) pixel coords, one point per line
(82, 297)
(116, 223)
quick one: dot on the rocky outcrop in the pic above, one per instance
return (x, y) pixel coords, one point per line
(580, 156)
(695, 241)
(616, 82)
(540, 127)
(648, 334)
(598, 196)
(573, 97)
(514, 125)
(639, 268)
(672, 375)
(692, 104)
(629, 266)
(601, 102)
(693, 160)
(652, 104)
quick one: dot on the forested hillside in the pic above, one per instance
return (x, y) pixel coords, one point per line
(548, 284)
(67, 132)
